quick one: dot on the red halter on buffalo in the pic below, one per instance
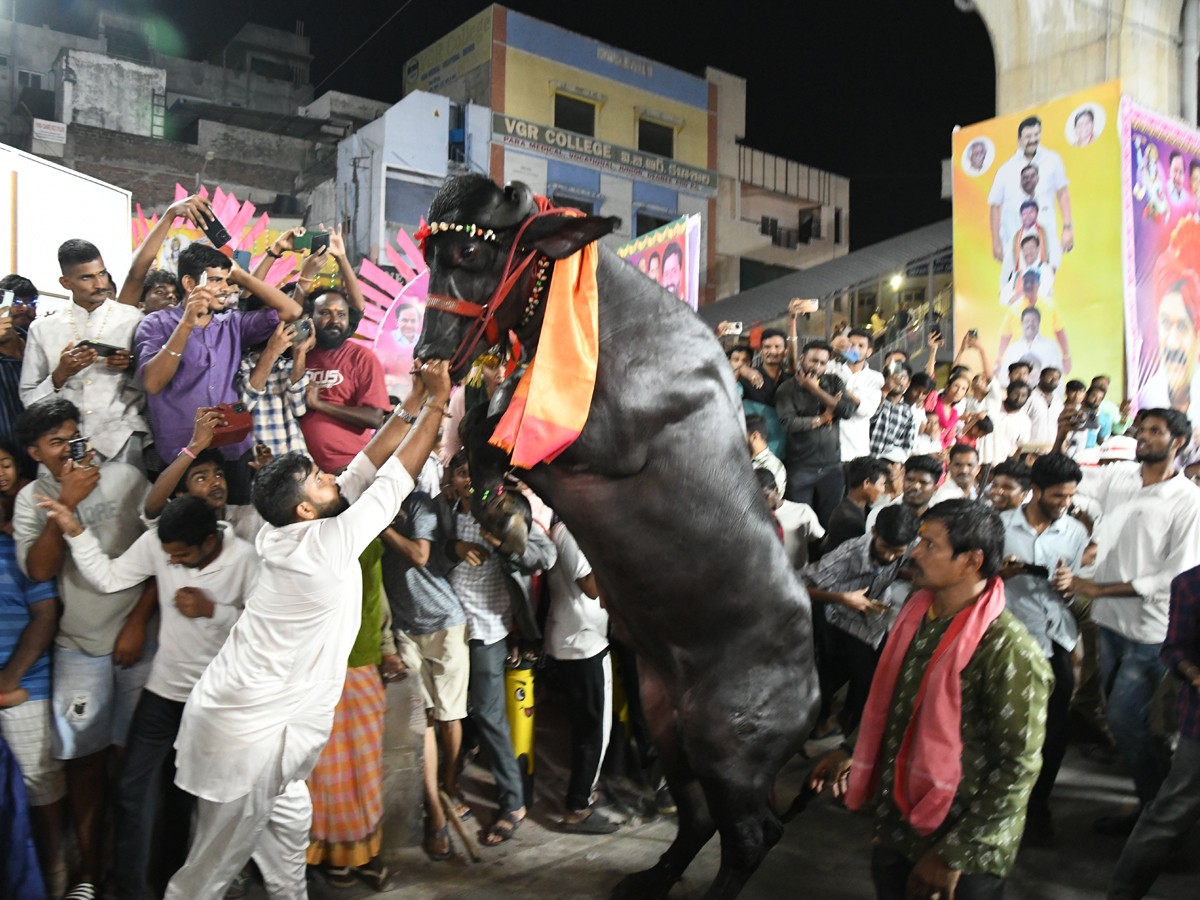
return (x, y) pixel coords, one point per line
(530, 207)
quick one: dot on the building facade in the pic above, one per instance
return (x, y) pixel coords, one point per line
(597, 128)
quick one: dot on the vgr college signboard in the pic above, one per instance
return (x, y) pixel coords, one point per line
(546, 140)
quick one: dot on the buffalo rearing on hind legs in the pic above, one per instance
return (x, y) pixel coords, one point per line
(654, 482)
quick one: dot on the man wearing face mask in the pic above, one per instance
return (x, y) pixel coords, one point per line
(346, 394)
(188, 356)
(864, 388)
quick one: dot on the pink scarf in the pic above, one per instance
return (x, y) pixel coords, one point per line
(929, 764)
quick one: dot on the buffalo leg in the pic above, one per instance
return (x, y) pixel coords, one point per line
(696, 826)
(748, 828)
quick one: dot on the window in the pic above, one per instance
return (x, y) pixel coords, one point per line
(656, 138)
(270, 68)
(3, 61)
(575, 115)
(648, 222)
(837, 225)
(28, 79)
(587, 207)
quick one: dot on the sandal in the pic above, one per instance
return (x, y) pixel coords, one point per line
(593, 823)
(376, 874)
(340, 876)
(498, 834)
(442, 834)
(82, 891)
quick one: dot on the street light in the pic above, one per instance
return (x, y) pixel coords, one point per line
(896, 281)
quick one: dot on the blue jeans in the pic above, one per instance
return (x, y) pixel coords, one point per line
(491, 717)
(1130, 673)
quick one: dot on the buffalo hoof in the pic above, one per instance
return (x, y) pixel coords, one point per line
(652, 884)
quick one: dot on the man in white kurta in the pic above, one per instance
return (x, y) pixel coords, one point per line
(261, 713)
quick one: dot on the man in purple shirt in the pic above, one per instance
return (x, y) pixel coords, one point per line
(188, 356)
(1164, 824)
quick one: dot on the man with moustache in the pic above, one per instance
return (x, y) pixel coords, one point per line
(921, 474)
(1009, 192)
(1045, 406)
(58, 362)
(760, 383)
(949, 743)
(808, 406)
(347, 396)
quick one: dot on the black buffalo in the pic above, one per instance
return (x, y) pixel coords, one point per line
(659, 493)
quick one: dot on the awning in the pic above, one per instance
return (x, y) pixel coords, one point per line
(869, 265)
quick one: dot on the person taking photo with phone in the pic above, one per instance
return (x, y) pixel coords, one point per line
(82, 354)
(188, 356)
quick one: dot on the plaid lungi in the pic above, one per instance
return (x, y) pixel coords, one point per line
(347, 782)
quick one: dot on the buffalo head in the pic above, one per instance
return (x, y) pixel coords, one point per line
(472, 226)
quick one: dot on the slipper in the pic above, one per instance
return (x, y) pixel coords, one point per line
(501, 834)
(593, 824)
(442, 834)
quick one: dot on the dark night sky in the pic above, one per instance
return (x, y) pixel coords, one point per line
(865, 88)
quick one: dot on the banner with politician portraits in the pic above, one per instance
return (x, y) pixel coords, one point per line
(1161, 193)
(1038, 265)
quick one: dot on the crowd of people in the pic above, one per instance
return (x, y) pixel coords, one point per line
(222, 538)
(995, 566)
(197, 623)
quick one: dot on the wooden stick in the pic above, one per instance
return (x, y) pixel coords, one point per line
(451, 811)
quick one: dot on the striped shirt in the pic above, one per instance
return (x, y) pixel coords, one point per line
(17, 594)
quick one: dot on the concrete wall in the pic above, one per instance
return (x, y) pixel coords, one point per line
(1047, 48)
(229, 87)
(337, 105)
(150, 167)
(104, 92)
(229, 142)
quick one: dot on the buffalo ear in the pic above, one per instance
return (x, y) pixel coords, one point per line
(560, 236)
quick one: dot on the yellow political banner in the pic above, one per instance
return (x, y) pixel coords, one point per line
(1038, 262)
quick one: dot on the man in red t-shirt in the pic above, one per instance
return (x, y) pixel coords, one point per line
(346, 394)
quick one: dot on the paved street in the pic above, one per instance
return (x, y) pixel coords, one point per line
(823, 855)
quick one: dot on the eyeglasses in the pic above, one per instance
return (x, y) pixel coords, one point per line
(31, 302)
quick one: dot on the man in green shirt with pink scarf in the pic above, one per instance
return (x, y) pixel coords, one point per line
(950, 742)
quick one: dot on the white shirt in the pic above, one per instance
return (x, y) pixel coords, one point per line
(577, 626)
(1011, 429)
(110, 401)
(867, 385)
(800, 526)
(1147, 536)
(1043, 415)
(264, 706)
(185, 645)
(925, 443)
(947, 490)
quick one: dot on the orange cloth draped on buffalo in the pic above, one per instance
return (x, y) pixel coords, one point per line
(550, 405)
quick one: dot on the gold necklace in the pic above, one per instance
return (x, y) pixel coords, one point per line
(75, 331)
